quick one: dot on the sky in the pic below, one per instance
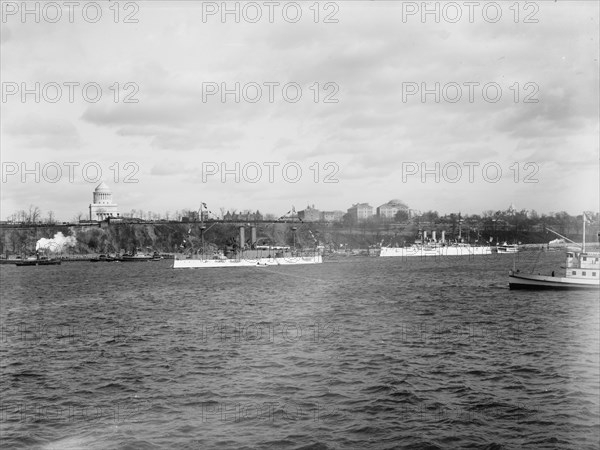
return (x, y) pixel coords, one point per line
(464, 107)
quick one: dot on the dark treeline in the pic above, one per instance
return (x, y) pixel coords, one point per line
(527, 227)
(509, 225)
(147, 237)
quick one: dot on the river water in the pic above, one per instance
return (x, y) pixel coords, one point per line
(354, 353)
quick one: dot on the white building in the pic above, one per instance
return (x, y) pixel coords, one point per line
(102, 205)
(390, 209)
(360, 212)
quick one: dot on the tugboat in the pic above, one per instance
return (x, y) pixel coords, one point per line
(582, 272)
(38, 260)
(137, 257)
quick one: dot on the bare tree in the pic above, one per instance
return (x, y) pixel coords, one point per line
(34, 214)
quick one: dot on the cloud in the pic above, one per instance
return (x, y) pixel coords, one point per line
(38, 132)
(370, 54)
(5, 34)
(171, 167)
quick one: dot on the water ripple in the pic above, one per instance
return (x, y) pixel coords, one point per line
(365, 353)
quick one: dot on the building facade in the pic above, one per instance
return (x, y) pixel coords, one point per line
(102, 206)
(245, 216)
(360, 212)
(310, 214)
(388, 210)
(332, 216)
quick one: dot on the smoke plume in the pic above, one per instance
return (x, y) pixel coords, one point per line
(57, 244)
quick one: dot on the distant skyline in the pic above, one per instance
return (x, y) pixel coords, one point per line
(217, 211)
(362, 129)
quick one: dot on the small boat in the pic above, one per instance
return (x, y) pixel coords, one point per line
(9, 260)
(38, 261)
(136, 257)
(507, 248)
(105, 258)
(582, 271)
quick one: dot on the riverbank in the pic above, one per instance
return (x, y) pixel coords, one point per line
(170, 238)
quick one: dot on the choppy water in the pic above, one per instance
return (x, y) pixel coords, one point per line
(362, 353)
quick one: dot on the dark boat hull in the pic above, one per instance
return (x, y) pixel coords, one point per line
(38, 263)
(109, 259)
(136, 259)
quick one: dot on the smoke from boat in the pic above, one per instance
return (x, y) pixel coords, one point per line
(56, 244)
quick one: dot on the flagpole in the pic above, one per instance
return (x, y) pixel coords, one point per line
(202, 229)
(583, 240)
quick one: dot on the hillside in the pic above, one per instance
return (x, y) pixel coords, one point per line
(177, 237)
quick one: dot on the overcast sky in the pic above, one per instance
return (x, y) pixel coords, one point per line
(360, 119)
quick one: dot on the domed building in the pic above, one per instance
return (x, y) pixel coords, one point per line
(102, 206)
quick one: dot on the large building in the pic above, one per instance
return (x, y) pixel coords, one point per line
(102, 206)
(360, 212)
(332, 216)
(389, 210)
(310, 214)
(246, 216)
